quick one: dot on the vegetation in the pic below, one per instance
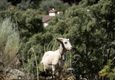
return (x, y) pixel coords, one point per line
(9, 41)
(90, 25)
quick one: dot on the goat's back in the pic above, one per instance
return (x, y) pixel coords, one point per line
(50, 57)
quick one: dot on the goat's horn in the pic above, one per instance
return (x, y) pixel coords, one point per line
(59, 39)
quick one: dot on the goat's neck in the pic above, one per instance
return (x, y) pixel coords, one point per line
(61, 49)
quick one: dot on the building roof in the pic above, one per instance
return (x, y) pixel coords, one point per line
(46, 18)
(52, 11)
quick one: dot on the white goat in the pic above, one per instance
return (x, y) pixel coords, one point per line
(52, 59)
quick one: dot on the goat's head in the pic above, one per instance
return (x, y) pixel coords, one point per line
(65, 43)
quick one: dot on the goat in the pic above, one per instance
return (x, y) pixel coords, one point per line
(52, 59)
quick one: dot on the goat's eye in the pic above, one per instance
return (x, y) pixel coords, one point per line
(65, 42)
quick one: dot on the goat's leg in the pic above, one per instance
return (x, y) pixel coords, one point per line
(53, 71)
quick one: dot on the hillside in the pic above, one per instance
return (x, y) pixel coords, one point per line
(89, 24)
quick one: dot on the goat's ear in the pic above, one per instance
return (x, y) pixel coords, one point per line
(59, 39)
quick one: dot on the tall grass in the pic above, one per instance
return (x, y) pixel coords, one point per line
(9, 41)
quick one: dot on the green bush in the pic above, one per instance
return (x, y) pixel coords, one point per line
(29, 22)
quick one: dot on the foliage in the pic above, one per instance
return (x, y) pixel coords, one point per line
(46, 5)
(91, 29)
(108, 70)
(89, 25)
(29, 22)
(9, 41)
(3, 4)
